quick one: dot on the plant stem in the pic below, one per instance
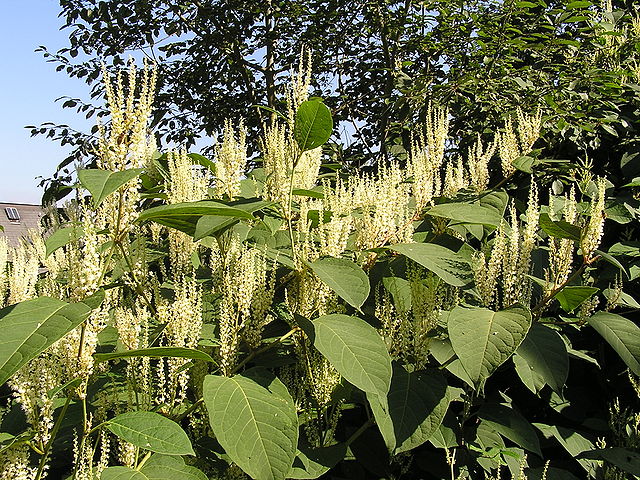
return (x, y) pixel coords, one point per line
(54, 432)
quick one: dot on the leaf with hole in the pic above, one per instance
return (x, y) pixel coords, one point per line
(151, 431)
(254, 419)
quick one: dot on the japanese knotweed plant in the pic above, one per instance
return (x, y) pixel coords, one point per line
(195, 318)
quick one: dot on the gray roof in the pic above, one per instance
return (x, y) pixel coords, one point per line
(14, 230)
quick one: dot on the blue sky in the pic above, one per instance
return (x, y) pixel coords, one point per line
(28, 89)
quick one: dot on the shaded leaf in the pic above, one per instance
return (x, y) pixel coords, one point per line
(545, 355)
(512, 425)
(416, 404)
(623, 458)
(622, 334)
(313, 462)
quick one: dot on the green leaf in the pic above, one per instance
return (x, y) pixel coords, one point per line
(417, 403)
(623, 458)
(355, 349)
(122, 473)
(512, 425)
(445, 263)
(483, 339)
(573, 442)
(467, 213)
(559, 228)
(163, 467)
(344, 277)
(312, 125)
(545, 356)
(312, 462)
(184, 216)
(156, 352)
(216, 224)
(30, 327)
(254, 419)
(524, 164)
(102, 183)
(60, 238)
(400, 290)
(308, 193)
(151, 431)
(622, 334)
(572, 296)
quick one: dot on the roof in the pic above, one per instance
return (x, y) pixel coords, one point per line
(28, 218)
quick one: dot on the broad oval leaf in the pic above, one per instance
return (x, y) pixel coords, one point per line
(355, 349)
(559, 228)
(254, 419)
(312, 125)
(344, 277)
(312, 462)
(30, 327)
(572, 296)
(151, 431)
(417, 403)
(102, 183)
(184, 216)
(156, 352)
(122, 473)
(483, 339)
(164, 467)
(622, 334)
(623, 458)
(445, 263)
(60, 238)
(545, 355)
(512, 425)
(472, 213)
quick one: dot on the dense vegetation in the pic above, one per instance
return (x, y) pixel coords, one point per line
(451, 296)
